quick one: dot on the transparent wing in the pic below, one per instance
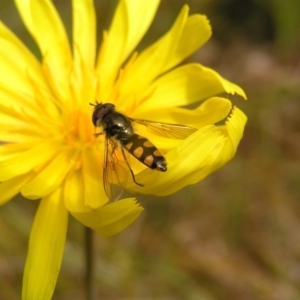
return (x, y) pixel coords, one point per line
(168, 130)
(116, 170)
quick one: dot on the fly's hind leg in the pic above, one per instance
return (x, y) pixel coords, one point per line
(131, 172)
(96, 134)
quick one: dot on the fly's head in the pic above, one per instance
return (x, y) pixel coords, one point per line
(100, 111)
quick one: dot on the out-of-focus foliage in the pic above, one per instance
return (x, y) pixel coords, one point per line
(274, 21)
(235, 235)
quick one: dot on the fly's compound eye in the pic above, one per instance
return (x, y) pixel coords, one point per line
(100, 111)
(97, 115)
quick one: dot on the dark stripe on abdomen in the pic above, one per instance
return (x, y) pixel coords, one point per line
(145, 152)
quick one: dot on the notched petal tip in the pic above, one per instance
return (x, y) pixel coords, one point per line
(112, 218)
(202, 153)
(235, 125)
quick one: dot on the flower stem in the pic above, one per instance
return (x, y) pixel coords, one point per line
(90, 284)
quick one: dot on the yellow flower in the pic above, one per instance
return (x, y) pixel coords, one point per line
(49, 149)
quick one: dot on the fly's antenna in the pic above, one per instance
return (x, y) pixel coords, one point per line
(95, 104)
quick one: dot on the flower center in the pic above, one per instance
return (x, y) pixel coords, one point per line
(78, 128)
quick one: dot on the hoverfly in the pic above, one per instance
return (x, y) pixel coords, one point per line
(120, 136)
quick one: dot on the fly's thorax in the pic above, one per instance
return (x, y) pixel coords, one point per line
(143, 150)
(117, 125)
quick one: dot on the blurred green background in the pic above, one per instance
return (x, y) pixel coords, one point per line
(236, 235)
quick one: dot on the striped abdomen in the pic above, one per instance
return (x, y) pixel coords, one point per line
(145, 152)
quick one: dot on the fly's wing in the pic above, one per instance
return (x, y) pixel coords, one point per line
(116, 170)
(173, 131)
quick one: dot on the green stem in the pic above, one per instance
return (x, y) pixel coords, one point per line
(90, 283)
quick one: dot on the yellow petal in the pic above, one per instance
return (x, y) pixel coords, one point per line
(23, 121)
(130, 22)
(83, 79)
(196, 33)
(10, 188)
(46, 27)
(171, 49)
(186, 158)
(50, 177)
(84, 191)
(8, 151)
(233, 133)
(92, 169)
(223, 150)
(18, 65)
(74, 192)
(84, 32)
(195, 158)
(112, 218)
(227, 86)
(153, 60)
(209, 112)
(46, 247)
(139, 15)
(27, 160)
(186, 85)
(15, 130)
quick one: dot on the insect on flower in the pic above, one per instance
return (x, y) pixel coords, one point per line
(119, 135)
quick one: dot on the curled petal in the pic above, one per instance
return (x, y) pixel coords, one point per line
(233, 133)
(195, 158)
(208, 112)
(186, 85)
(112, 218)
(181, 161)
(46, 247)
